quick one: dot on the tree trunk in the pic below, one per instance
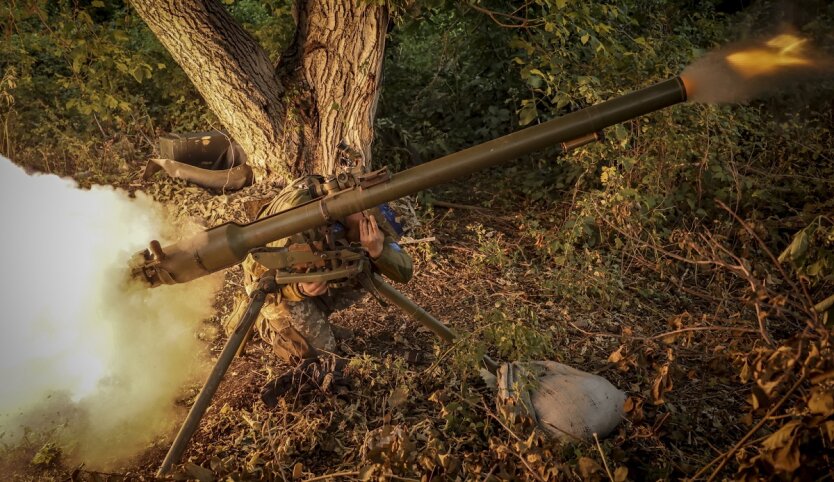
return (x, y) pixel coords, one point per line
(289, 119)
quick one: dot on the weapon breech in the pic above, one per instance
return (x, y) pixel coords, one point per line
(228, 244)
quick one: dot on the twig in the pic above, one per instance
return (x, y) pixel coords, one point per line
(588, 333)
(668, 333)
(495, 417)
(656, 248)
(704, 328)
(745, 273)
(430, 239)
(448, 205)
(604, 461)
(524, 22)
(489, 474)
(529, 469)
(101, 129)
(334, 475)
(824, 305)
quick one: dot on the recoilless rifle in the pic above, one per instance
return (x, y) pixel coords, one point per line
(229, 244)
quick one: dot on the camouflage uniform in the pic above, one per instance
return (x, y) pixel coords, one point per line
(295, 325)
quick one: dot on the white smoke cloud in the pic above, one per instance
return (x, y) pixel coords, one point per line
(84, 352)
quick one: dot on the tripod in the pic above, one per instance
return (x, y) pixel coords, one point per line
(266, 285)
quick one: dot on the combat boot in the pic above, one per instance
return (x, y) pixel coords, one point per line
(311, 376)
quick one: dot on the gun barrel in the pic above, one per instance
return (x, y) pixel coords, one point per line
(228, 244)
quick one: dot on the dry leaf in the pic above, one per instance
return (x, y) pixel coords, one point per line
(588, 468)
(781, 437)
(366, 472)
(200, 473)
(617, 356)
(821, 403)
(786, 459)
(746, 419)
(398, 396)
(661, 385)
(744, 375)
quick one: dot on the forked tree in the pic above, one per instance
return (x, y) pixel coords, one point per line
(289, 118)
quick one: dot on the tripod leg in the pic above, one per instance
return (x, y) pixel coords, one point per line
(243, 343)
(415, 311)
(201, 404)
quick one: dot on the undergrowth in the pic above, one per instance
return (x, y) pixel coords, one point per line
(689, 258)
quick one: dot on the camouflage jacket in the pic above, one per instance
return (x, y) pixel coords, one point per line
(393, 262)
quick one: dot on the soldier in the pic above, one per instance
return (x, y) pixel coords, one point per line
(295, 321)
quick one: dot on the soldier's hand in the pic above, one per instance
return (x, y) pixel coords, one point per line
(371, 237)
(315, 288)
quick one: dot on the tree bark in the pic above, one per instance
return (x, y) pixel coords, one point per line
(291, 118)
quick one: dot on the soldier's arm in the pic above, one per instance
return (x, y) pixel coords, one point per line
(394, 262)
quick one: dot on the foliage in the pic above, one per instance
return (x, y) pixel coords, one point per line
(517, 334)
(791, 449)
(270, 22)
(445, 87)
(49, 455)
(92, 87)
(648, 258)
(811, 253)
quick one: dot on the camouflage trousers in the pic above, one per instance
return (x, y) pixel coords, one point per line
(298, 330)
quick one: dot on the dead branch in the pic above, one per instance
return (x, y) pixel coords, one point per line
(773, 258)
(523, 22)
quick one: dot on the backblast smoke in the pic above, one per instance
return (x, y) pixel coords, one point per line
(87, 356)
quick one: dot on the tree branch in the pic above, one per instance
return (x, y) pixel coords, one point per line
(523, 22)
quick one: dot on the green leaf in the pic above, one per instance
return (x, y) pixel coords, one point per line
(799, 246)
(47, 456)
(120, 36)
(815, 268)
(78, 60)
(621, 134)
(535, 81)
(527, 114)
(584, 39)
(85, 18)
(562, 101)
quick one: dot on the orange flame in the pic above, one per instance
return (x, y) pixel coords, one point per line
(782, 51)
